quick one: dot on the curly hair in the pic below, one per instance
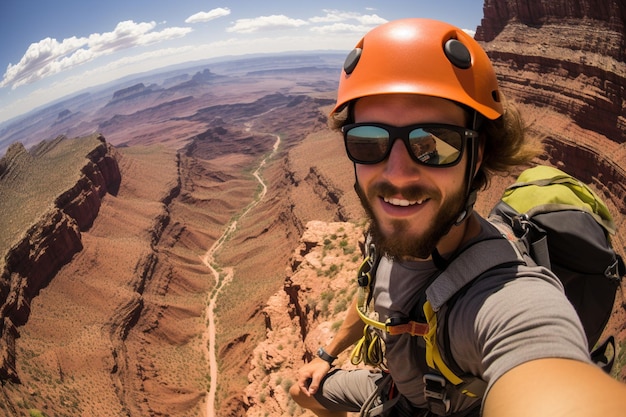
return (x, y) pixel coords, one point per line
(506, 145)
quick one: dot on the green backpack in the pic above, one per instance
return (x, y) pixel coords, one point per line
(566, 227)
(561, 224)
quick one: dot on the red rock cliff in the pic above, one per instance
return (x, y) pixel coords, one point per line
(32, 261)
(564, 60)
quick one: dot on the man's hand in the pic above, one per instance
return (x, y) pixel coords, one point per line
(311, 374)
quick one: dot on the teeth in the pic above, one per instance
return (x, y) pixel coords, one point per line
(402, 203)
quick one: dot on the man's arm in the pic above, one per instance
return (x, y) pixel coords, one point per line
(349, 333)
(351, 330)
(553, 388)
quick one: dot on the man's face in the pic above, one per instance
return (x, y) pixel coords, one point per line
(412, 206)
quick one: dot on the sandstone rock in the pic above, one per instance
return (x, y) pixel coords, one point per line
(48, 244)
(317, 295)
(564, 63)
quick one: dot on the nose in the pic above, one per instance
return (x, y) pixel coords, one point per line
(399, 165)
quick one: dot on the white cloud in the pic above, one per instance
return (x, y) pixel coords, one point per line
(38, 59)
(164, 35)
(210, 15)
(337, 21)
(342, 16)
(371, 19)
(48, 56)
(331, 16)
(265, 23)
(341, 28)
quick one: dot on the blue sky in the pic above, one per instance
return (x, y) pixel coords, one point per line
(51, 49)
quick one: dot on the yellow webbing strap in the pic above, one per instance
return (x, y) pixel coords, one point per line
(435, 361)
(364, 277)
(433, 357)
(361, 309)
(368, 349)
(413, 328)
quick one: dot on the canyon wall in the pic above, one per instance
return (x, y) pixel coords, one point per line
(564, 61)
(51, 241)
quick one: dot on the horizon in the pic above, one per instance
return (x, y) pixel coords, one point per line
(156, 72)
(57, 52)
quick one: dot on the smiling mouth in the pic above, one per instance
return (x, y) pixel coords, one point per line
(403, 203)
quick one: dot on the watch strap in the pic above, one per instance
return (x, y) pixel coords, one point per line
(322, 354)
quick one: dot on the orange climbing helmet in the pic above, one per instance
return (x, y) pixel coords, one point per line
(421, 56)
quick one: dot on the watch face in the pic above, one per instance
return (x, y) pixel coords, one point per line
(325, 356)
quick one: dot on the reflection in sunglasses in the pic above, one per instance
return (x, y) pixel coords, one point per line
(436, 145)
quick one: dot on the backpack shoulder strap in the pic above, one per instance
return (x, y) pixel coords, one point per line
(465, 268)
(468, 265)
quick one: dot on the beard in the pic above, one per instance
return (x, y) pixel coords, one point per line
(400, 242)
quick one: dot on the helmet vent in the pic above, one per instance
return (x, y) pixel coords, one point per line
(457, 54)
(351, 60)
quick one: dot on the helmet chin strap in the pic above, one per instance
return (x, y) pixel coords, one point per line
(472, 151)
(471, 194)
(470, 171)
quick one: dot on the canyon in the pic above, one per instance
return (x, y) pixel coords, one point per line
(105, 288)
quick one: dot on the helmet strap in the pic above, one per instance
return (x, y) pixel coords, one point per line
(472, 157)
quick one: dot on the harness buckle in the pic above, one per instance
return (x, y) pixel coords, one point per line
(400, 325)
(396, 321)
(436, 394)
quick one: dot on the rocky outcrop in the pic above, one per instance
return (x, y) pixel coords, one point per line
(49, 243)
(565, 60)
(327, 192)
(536, 13)
(318, 288)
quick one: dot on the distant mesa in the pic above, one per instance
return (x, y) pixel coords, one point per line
(64, 114)
(199, 78)
(135, 91)
(140, 90)
(204, 76)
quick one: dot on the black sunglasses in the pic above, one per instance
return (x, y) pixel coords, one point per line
(434, 145)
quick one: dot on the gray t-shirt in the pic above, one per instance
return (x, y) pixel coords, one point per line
(510, 316)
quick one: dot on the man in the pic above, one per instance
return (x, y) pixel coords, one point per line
(406, 84)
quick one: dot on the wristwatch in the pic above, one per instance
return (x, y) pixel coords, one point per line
(326, 356)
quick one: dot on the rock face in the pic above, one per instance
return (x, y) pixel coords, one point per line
(51, 241)
(564, 60)
(318, 290)
(535, 13)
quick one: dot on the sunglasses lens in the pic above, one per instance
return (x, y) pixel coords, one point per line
(432, 145)
(436, 145)
(367, 144)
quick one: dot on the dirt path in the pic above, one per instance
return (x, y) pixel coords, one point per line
(223, 276)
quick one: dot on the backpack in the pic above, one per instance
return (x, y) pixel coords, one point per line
(566, 227)
(546, 215)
